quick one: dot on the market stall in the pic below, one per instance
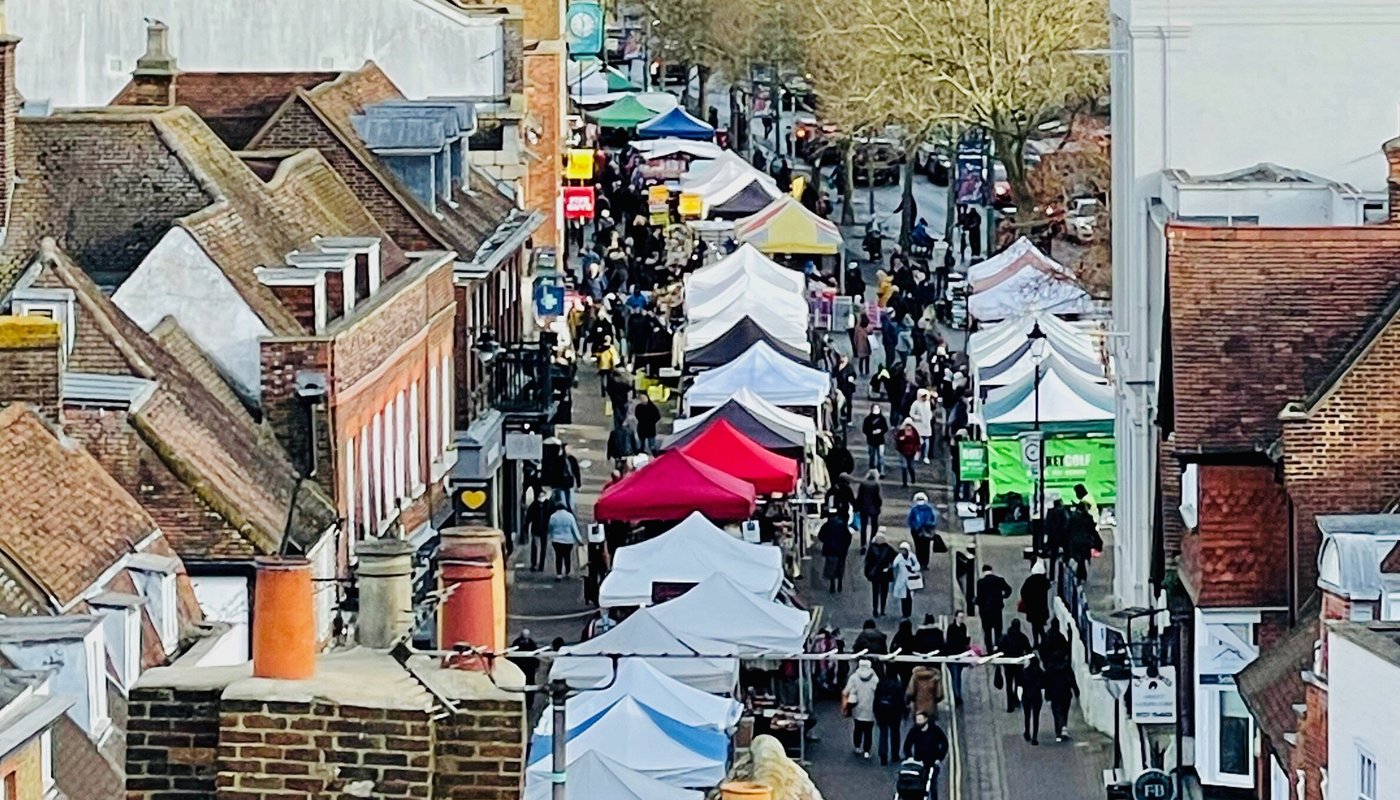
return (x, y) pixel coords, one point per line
(1022, 280)
(688, 554)
(724, 447)
(719, 610)
(594, 776)
(745, 260)
(678, 124)
(791, 425)
(785, 226)
(739, 199)
(789, 327)
(735, 342)
(626, 113)
(775, 436)
(704, 302)
(767, 374)
(671, 487)
(657, 691)
(641, 633)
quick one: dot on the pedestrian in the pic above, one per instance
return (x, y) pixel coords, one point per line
(1032, 687)
(956, 643)
(619, 395)
(928, 637)
(859, 698)
(1054, 647)
(839, 496)
(597, 565)
(537, 526)
(889, 716)
(875, 427)
(623, 443)
(529, 665)
(925, 690)
(869, 502)
(907, 443)
(1084, 539)
(1084, 501)
(921, 413)
(1013, 645)
(927, 744)
(1056, 532)
(902, 643)
(845, 378)
(879, 563)
(608, 359)
(835, 538)
(992, 591)
(1035, 600)
(1060, 689)
(923, 526)
(839, 460)
(648, 415)
(908, 578)
(563, 535)
(871, 640)
(860, 341)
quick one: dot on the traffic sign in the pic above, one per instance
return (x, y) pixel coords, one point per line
(1031, 443)
(1154, 784)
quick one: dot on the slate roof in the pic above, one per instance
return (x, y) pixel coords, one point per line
(63, 520)
(1272, 684)
(234, 104)
(223, 484)
(1263, 316)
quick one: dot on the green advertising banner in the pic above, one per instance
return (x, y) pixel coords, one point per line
(972, 461)
(1068, 460)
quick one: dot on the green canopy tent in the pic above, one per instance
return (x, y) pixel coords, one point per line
(626, 113)
(617, 82)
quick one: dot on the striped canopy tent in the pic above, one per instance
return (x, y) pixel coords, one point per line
(786, 226)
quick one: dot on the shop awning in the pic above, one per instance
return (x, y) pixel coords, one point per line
(735, 342)
(671, 487)
(676, 123)
(725, 448)
(626, 113)
(689, 553)
(776, 379)
(785, 226)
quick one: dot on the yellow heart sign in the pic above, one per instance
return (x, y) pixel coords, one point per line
(474, 499)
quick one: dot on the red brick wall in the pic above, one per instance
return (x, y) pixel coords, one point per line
(544, 99)
(29, 372)
(1311, 752)
(171, 741)
(301, 301)
(281, 361)
(480, 756)
(1234, 558)
(1169, 480)
(1344, 458)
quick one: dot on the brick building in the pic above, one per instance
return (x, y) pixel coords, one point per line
(29, 712)
(1272, 413)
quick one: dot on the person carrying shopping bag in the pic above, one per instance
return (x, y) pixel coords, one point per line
(908, 578)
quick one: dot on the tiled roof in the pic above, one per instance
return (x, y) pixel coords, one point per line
(1272, 684)
(227, 465)
(1261, 317)
(63, 520)
(234, 104)
(179, 344)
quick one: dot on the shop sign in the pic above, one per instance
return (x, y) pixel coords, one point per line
(579, 165)
(549, 300)
(1153, 700)
(972, 461)
(658, 195)
(584, 23)
(578, 202)
(1154, 784)
(691, 205)
(661, 218)
(472, 502)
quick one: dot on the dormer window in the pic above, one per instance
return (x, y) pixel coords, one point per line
(302, 291)
(368, 271)
(54, 304)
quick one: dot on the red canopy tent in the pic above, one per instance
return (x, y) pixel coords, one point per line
(673, 486)
(728, 450)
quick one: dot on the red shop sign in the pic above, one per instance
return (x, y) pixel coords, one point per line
(578, 202)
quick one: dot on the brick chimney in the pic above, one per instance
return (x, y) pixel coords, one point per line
(471, 573)
(1392, 158)
(384, 578)
(9, 112)
(284, 620)
(153, 81)
(31, 364)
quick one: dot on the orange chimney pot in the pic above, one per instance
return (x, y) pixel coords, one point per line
(284, 620)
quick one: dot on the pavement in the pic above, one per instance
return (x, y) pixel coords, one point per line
(994, 762)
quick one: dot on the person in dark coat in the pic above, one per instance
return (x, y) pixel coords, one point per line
(537, 524)
(1032, 686)
(845, 379)
(869, 501)
(839, 461)
(903, 641)
(529, 665)
(619, 391)
(871, 640)
(889, 716)
(1054, 647)
(992, 592)
(1035, 600)
(928, 637)
(879, 560)
(623, 443)
(956, 642)
(875, 426)
(839, 496)
(927, 744)
(1084, 539)
(1013, 645)
(835, 537)
(1056, 532)
(1060, 689)
(648, 415)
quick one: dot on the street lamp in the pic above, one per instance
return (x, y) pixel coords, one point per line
(1038, 352)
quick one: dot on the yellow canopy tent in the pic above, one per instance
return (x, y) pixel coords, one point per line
(785, 226)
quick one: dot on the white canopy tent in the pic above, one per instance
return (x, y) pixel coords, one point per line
(660, 102)
(634, 737)
(781, 381)
(689, 553)
(761, 408)
(642, 633)
(641, 682)
(782, 302)
(1021, 253)
(718, 172)
(661, 148)
(786, 328)
(992, 344)
(1025, 366)
(1027, 285)
(594, 776)
(1065, 398)
(719, 610)
(746, 260)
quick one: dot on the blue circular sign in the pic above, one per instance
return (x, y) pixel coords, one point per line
(1154, 784)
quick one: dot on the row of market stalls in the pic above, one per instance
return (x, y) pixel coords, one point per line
(1039, 371)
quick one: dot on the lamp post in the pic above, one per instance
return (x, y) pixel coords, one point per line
(1038, 352)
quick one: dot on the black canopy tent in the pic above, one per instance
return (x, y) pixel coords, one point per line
(751, 199)
(735, 342)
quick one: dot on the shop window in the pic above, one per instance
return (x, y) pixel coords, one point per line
(1366, 777)
(1234, 751)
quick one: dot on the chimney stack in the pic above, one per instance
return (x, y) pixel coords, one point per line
(284, 620)
(31, 364)
(10, 103)
(385, 582)
(153, 82)
(471, 573)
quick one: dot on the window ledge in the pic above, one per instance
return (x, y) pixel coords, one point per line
(441, 466)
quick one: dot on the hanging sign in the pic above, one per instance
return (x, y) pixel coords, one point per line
(579, 165)
(584, 22)
(578, 202)
(691, 205)
(972, 461)
(658, 195)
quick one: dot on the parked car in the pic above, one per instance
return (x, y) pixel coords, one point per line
(884, 156)
(1081, 218)
(932, 160)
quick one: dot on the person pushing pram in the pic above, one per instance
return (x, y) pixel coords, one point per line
(925, 747)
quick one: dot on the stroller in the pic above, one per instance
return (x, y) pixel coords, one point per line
(914, 782)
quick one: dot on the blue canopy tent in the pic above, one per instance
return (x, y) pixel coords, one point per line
(678, 124)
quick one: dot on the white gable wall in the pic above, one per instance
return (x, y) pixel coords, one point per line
(178, 279)
(82, 52)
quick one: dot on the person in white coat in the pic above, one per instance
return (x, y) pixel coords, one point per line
(908, 578)
(921, 414)
(859, 697)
